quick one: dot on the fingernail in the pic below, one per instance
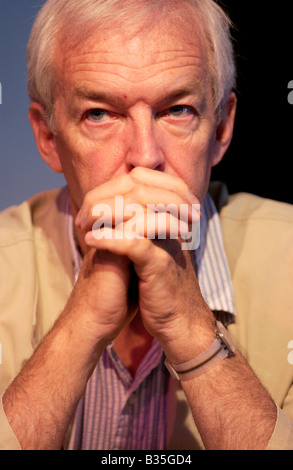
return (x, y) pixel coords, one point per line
(83, 220)
(77, 218)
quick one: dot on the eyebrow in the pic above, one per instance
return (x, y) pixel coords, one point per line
(195, 87)
(92, 95)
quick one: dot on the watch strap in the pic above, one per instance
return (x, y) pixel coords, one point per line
(219, 350)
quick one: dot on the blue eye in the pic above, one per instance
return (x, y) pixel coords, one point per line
(180, 110)
(98, 114)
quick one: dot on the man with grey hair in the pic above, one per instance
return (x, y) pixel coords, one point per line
(114, 339)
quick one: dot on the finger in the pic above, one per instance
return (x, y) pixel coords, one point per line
(118, 209)
(154, 225)
(150, 225)
(118, 186)
(136, 249)
(164, 180)
(137, 179)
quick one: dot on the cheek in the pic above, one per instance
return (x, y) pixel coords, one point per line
(87, 164)
(73, 165)
(192, 161)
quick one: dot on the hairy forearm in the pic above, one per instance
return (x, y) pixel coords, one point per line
(231, 408)
(41, 401)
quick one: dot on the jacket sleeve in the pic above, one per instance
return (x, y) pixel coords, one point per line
(17, 305)
(8, 440)
(282, 437)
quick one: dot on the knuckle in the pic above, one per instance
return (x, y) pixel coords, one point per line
(127, 181)
(87, 200)
(182, 188)
(128, 200)
(138, 193)
(136, 172)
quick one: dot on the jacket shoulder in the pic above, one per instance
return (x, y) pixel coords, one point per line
(17, 222)
(245, 206)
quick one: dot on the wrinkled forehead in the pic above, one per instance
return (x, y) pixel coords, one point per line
(179, 21)
(176, 36)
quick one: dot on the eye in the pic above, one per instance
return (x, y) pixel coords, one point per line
(98, 115)
(180, 111)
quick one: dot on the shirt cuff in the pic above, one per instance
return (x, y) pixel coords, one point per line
(8, 440)
(282, 437)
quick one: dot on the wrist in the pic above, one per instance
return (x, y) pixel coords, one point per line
(221, 348)
(190, 341)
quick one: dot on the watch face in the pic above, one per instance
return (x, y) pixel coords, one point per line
(225, 337)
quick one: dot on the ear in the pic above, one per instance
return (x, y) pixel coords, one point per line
(44, 137)
(225, 128)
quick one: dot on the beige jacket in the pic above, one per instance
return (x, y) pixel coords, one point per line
(36, 278)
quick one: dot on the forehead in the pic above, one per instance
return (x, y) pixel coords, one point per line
(168, 47)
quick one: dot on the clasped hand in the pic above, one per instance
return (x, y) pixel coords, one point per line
(168, 296)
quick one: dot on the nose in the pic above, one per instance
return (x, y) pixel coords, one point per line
(145, 144)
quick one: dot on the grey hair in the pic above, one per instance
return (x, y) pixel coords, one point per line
(78, 18)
